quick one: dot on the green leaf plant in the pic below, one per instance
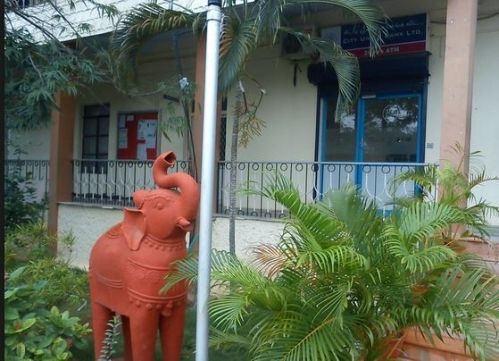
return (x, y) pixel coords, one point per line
(449, 185)
(343, 282)
(34, 330)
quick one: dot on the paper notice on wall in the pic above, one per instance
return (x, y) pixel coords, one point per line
(151, 141)
(141, 151)
(147, 131)
(141, 130)
(121, 122)
(123, 138)
(130, 118)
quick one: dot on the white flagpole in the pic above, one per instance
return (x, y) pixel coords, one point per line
(213, 18)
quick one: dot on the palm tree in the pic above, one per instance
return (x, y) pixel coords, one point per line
(343, 282)
(245, 27)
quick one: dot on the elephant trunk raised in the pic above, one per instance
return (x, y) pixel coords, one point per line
(188, 187)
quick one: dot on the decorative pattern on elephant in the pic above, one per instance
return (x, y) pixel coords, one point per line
(162, 304)
(150, 279)
(162, 246)
(109, 282)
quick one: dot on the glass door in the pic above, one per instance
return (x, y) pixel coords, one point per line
(390, 129)
(368, 145)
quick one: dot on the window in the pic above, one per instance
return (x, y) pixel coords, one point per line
(95, 138)
(27, 3)
(95, 132)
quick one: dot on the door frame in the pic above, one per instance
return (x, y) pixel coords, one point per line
(419, 92)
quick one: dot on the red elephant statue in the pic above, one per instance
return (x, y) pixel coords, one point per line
(128, 264)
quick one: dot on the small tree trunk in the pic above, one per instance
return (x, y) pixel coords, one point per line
(233, 176)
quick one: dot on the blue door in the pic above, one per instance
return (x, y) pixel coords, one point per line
(371, 143)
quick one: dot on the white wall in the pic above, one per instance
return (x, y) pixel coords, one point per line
(288, 111)
(151, 72)
(249, 234)
(87, 223)
(34, 144)
(485, 111)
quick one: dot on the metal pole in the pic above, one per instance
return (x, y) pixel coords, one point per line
(207, 175)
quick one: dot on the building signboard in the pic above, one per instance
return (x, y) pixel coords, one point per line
(406, 35)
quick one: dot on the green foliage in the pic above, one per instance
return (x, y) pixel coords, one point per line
(20, 201)
(65, 286)
(343, 280)
(38, 65)
(35, 331)
(30, 242)
(30, 246)
(27, 242)
(35, 72)
(448, 185)
(110, 341)
(248, 26)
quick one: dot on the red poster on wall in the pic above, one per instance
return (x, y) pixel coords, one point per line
(137, 135)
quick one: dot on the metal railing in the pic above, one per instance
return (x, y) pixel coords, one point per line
(313, 180)
(32, 173)
(112, 182)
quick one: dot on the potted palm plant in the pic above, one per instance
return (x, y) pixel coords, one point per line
(343, 283)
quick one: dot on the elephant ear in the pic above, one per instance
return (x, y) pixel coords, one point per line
(134, 227)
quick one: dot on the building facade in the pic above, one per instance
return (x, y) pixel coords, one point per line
(433, 85)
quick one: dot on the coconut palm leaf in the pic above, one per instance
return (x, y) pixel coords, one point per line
(238, 40)
(371, 16)
(345, 65)
(269, 258)
(422, 220)
(145, 21)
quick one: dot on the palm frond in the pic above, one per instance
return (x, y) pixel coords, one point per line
(184, 270)
(145, 21)
(237, 41)
(228, 340)
(345, 65)
(372, 16)
(331, 259)
(269, 259)
(423, 220)
(228, 311)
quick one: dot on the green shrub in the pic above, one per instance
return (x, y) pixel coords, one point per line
(29, 242)
(20, 204)
(343, 281)
(30, 246)
(65, 286)
(33, 329)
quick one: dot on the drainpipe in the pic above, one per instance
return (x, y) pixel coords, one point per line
(213, 18)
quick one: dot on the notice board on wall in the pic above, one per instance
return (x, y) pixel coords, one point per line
(137, 135)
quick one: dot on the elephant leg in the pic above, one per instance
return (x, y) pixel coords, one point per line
(143, 331)
(172, 333)
(127, 339)
(100, 318)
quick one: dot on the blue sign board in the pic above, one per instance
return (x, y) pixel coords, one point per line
(403, 30)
